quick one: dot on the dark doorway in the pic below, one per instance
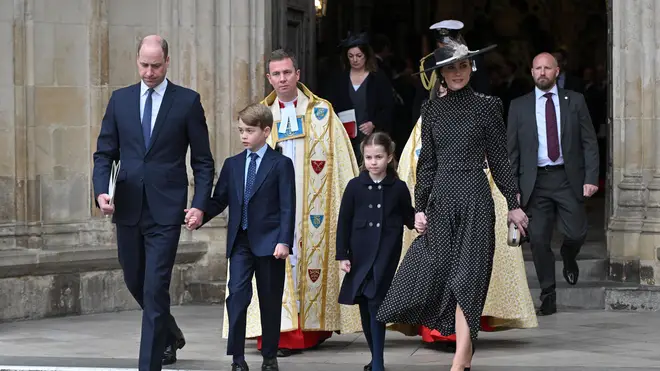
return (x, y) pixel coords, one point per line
(294, 30)
(520, 28)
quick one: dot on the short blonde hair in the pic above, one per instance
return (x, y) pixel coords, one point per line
(256, 114)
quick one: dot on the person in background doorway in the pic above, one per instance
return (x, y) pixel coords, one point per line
(361, 94)
(553, 151)
(566, 80)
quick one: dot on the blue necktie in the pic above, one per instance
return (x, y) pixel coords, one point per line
(146, 119)
(249, 182)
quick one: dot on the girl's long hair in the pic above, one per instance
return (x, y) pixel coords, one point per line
(380, 138)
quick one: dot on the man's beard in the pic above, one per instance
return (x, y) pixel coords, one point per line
(544, 85)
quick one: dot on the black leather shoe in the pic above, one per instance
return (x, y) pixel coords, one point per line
(270, 365)
(283, 352)
(548, 305)
(169, 356)
(240, 366)
(180, 340)
(571, 271)
(367, 367)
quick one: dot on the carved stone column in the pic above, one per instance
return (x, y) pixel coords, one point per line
(12, 123)
(633, 93)
(220, 51)
(649, 270)
(21, 204)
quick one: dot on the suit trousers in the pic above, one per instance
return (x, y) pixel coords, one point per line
(147, 252)
(553, 197)
(270, 274)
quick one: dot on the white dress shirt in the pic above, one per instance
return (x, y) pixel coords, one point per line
(260, 155)
(156, 100)
(543, 159)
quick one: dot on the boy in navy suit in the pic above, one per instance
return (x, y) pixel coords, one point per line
(258, 185)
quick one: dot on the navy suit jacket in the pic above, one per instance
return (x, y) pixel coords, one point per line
(158, 171)
(271, 207)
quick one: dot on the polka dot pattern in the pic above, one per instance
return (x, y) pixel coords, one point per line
(452, 262)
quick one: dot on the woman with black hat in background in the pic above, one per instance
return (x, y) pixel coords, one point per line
(443, 280)
(362, 88)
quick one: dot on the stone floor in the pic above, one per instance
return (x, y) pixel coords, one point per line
(584, 340)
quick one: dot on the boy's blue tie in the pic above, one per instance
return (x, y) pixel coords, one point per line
(249, 182)
(146, 119)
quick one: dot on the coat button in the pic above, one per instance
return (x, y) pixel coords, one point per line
(371, 224)
(370, 206)
(380, 187)
(378, 225)
(369, 188)
(378, 206)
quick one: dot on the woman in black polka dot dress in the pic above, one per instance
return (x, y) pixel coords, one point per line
(443, 280)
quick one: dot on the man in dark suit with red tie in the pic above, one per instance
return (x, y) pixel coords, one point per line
(149, 127)
(554, 156)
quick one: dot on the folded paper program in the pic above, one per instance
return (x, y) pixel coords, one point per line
(114, 172)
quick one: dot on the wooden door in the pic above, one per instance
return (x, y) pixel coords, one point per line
(294, 29)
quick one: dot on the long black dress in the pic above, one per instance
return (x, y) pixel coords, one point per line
(452, 262)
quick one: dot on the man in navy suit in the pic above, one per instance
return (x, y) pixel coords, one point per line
(149, 126)
(258, 185)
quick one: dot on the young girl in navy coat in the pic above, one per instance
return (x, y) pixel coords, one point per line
(375, 207)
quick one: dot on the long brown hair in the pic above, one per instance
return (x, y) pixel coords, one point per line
(370, 63)
(380, 138)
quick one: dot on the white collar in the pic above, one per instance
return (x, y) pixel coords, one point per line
(288, 117)
(260, 152)
(540, 93)
(160, 89)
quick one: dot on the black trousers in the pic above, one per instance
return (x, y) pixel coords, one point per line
(553, 200)
(270, 274)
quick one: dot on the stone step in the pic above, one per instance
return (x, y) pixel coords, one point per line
(77, 259)
(590, 250)
(639, 298)
(73, 280)
(590, 270)
(585, 295)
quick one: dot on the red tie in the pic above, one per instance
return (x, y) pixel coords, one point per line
(295, 103)
(552, 135)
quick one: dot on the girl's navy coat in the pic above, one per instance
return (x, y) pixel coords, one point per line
(370, 233)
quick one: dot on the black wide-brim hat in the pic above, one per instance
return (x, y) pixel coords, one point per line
(453, 51)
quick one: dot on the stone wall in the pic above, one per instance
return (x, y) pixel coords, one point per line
(61, 60)
(634, 231)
